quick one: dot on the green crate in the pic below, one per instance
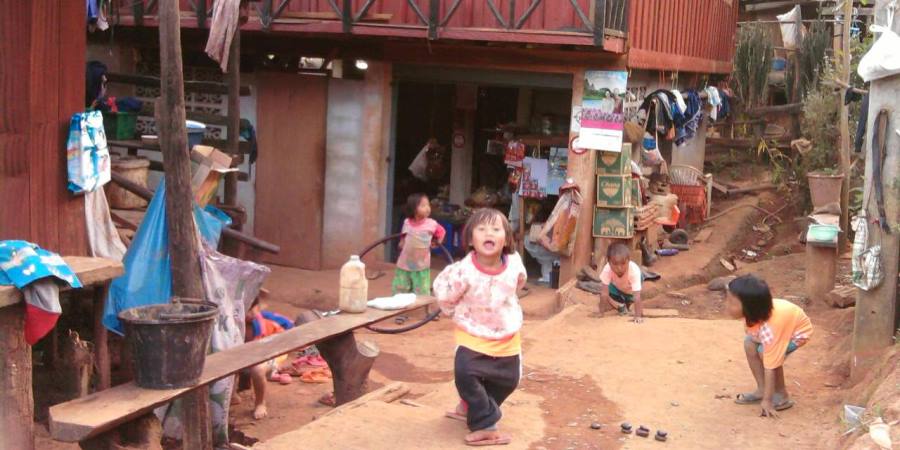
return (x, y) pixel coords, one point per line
(614, 191)
(614, 163)
(119, 125)
(636, 192)
(614, 222)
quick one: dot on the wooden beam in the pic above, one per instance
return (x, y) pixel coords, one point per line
(751, 7)
(147, 194)
(149, 109)
(16, 402)
(210, 87)
(179, 199)
(233, 79)
(792, 108)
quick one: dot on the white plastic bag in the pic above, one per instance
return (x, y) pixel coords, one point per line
(790, 33)
(883, 59)
(419, 166)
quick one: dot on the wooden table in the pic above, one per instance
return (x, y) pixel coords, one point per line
(92, 419)
(16, 401)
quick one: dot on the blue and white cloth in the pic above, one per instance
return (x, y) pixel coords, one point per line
(87, 154)
(22, 263)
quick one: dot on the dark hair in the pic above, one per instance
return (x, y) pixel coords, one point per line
(488, 215)
(545, 210)
(412, 204)
(617, 249)
(755, 297)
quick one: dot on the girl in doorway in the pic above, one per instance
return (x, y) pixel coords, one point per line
(479, 293)
(413, 273)
(775, 329)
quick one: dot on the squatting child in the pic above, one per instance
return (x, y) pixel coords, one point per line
(621, 279)
(479, 293)
(775, 329)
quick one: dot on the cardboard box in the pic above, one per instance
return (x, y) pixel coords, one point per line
(614, 191)
(636, 192)
(614, 163)
(211, 164)
(614, 222)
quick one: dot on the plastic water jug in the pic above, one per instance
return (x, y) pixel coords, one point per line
(354, 292)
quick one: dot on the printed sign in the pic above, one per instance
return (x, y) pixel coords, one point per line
(602, 110)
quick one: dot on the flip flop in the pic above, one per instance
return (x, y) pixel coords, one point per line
(787, 404)
(455, 416)
(747, 399)
(315, 377)
(502, 440)
(327, 400)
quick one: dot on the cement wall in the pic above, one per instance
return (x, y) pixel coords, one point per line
(356, 164)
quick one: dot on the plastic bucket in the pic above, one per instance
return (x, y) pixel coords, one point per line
(169, 342)
(824, 188)
(195, 131)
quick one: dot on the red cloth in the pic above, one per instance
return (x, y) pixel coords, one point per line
(38, 323)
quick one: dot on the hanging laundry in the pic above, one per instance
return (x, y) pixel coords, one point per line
(693, 113)
(861, 124)
(221, 31)
(679, 99)
(714, 100)
(32, 270)
(658, 107)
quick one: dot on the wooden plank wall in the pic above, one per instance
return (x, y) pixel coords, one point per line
(42, 55)
(685, 35)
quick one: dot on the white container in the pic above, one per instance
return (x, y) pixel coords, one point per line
(354, 292)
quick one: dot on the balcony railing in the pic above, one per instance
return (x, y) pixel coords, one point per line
(582, 22)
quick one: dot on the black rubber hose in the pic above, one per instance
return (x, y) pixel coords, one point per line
(431, 316)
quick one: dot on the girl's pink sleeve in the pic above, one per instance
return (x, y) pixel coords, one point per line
(449, 287)
(439, 231)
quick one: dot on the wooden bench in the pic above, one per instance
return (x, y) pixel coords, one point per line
(94, 419)
(16, 402)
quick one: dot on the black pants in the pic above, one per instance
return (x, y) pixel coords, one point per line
(484, 382)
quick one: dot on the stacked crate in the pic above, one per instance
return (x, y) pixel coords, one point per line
(614, 212)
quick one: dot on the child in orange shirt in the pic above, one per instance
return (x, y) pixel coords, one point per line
(775, 328)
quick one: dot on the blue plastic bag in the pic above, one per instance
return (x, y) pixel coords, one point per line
(87, 155)
(148, 275)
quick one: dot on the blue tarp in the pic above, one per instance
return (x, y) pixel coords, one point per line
(148, 276)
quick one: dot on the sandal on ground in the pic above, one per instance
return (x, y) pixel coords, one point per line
(502, 440)
(315, 377)
(282, 378)
(787, 404)
(749, 398)
(455, 416)
(328, 400)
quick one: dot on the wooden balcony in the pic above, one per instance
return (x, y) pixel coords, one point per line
(594, 23)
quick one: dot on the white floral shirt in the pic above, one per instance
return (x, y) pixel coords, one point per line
(482, 303)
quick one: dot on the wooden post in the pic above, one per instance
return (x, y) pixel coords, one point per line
(844, 151)
(821, 266)
(581, 169)
(185, 267)
(101, 346)
(350, 362)
(16, 402)
(876, 310)
(233, 79)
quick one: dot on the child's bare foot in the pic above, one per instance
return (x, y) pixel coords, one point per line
(260, 412)
(487, 437)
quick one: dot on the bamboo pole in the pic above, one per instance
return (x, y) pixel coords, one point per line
(845, 125)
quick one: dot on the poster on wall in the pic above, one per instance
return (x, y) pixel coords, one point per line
(602, 110)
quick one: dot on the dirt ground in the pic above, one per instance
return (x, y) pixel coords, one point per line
(678, 374)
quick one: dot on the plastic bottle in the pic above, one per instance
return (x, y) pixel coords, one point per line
(354, 290)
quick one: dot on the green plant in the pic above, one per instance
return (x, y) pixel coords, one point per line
(821, 114)
(752, 63)
(810, 57)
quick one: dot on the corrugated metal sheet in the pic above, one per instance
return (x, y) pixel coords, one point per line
(683, 35)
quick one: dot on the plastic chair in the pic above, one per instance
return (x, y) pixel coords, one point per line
(691, 176)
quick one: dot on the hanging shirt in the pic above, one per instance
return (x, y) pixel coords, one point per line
(788, 323)
(416, 252)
